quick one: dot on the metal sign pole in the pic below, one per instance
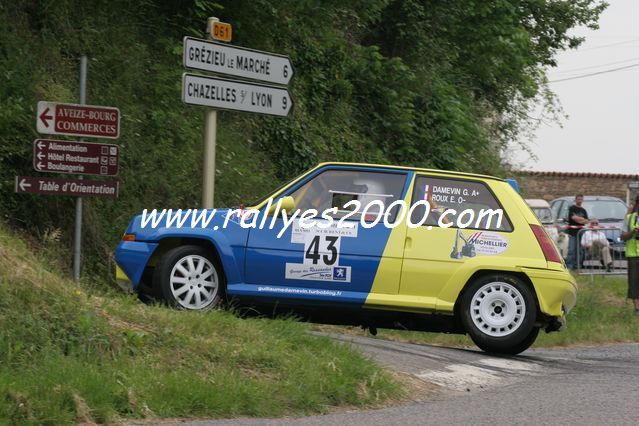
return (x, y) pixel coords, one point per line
(77, 236)
(210, 131)
(210, 134)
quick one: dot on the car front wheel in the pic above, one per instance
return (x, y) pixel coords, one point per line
(190, 278)
(499, 313)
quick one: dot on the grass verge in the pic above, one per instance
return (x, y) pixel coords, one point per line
(69, 354)
(602, 315)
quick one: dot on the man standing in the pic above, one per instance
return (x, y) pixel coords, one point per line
(597, 244)
(577, 216)
(630, 235)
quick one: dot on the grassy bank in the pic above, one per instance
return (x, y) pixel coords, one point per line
(602, 315)
(70, 354)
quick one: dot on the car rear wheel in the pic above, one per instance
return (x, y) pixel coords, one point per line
(190, 278)
(499, 313)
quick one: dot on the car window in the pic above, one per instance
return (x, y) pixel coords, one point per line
(563, 213)
(606, 210)
(471, 201)
(543, 213)
(555, 206)
(335, 188)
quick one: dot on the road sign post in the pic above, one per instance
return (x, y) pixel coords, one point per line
(77, 235)
(210, 136)
(209, 139)
(79, 158)
(220, 93)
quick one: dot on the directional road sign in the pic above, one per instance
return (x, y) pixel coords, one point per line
(78, 120)
(80, 188)
(78, 158)
(222, 93)
(237, 61)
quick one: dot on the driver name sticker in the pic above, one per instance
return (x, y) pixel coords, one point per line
(488, 243)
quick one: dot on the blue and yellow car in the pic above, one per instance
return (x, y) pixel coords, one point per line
(390, 246)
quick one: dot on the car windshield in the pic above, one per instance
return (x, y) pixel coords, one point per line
(543, 213)
(606, 210)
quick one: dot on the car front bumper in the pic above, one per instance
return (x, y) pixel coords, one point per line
(123, 280)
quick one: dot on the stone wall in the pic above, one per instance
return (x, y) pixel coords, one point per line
(550, 185)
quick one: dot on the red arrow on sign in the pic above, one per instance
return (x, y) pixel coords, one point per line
(45, 118)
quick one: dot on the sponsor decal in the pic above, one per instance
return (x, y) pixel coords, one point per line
(488, 243)
(300, 271)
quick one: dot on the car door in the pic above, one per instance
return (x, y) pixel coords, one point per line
(438, 248)
(329, 262)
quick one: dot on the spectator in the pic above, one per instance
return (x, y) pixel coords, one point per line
(630, 235)
(596, 243)
(577, 216)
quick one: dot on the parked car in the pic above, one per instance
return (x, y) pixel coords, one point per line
(501, 281)
(610, 211)
(541, 208)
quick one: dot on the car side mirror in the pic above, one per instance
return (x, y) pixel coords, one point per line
(286, 204)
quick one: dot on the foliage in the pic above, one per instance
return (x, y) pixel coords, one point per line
(412, 82)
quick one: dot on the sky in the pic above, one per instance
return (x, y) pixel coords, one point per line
(601, 132)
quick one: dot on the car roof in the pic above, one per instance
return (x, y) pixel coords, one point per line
(590, 198)
(416, 169)
(537, 202)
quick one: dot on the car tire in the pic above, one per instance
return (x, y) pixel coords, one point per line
(190, 278)
(499, 312)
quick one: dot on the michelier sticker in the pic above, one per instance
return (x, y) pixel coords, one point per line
(488, 243)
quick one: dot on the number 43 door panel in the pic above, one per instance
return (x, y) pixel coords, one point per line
(343, 259)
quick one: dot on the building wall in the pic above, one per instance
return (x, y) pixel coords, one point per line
(550, 185)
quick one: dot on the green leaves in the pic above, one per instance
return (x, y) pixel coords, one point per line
(411, 82)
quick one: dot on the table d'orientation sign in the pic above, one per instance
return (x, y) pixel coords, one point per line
(74, 187)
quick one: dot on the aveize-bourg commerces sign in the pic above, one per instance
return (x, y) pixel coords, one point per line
(55, 118)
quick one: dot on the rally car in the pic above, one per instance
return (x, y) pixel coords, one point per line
(425, 256)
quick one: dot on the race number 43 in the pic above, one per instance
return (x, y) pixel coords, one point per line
(322, 250)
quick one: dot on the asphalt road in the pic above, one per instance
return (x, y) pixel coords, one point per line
(592, 385)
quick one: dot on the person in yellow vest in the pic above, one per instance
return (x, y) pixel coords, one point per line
(630, 235)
